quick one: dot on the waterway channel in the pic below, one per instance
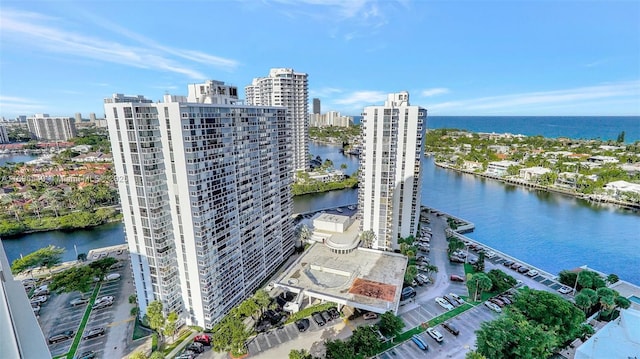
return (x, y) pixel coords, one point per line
(550, 231)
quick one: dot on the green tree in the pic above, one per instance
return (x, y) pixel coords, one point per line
(170, 325)
(513, 336)
(73, 279)
(337, 349)
(479, 283)
(368, 238)
(479, 266)
(612, 278)
(263, 299)
(299, 354)
(46, 257)
(430, 269)
(365, 341)
(390, 324)
(474, 355)
(156, 355)
(155, 316)
(500, 281)
(551, 311)
(454, 245)
(82, 257)
(138, 355)
(410, 273)
(102, 265)
(583, 301)
(621, 302)
(620, 138)
(248, 307)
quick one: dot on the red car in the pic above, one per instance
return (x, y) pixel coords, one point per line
(456, 278)
(203, 339)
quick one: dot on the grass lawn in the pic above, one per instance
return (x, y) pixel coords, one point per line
(83, 323)
(168, 348)
(139, 331)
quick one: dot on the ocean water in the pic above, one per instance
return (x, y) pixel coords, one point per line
(577, 127)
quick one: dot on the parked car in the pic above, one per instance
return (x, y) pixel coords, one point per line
(303, 324)
(493, 307)
(203, 339)
(103, 304)
(564, 290)
(335, 314)
(457, 298)
(456, 278)
(435, 334)
(90, 354)
(116, 265)
(419, 342)
(40, 292)
(450, 328)
(79, 301)
(106, 298)
(326, 316)
(407, 293)
(515, 266)
(443, 303)
(36, 309)
(507, 263)
(60, 337)
(423, 278)
(490, 254)
(196, 347)
(93, 333)
(370, 315)
(498, 302)
(317, 317)
(112, 276)
(451, 301)
(456, 259)
(532, 273)
(39, 299)
(523, 270)
(506, 300)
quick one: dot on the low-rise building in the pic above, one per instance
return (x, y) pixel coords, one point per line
(533, 173)
(618, 188)
(602, 159)
(620, 338)
(328, 176)
(500, 168)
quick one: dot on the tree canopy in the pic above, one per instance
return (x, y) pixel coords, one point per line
(43, 257)
(500, 281)
(155, 316)
(390, 324)
(479, 283)
(73, 279)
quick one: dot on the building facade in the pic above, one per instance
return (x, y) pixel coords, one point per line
(4, 136)
(46, 128)
(316, 106)
(205, 187)
(20, 333)
(330, 119)
(390, 172)
(285, 87)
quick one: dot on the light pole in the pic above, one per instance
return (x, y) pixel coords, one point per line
(575, 285)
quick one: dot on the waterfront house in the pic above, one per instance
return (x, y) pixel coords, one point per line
(500, 168)
(619, 188)
(533, 173)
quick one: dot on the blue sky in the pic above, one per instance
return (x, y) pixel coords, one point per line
(454, 57)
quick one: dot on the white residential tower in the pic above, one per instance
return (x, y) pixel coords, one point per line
(285, 87)
(205, 191)
(390, 174)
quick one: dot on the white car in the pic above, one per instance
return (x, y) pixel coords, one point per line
(79, 301)
(106, 298)
(39, 299)
(456, 297)
(444, 304)
(532, 273)
(112, 276)
(564, 290)
(435, 334)
(493, 307)
(490, 254)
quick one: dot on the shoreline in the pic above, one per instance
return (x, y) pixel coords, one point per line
(634, 207)
(14, 236)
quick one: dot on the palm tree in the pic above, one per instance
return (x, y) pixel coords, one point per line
(34, 205)
(367, 238)
(53, 199)
(10, 202)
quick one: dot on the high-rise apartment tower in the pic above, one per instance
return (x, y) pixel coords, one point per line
(205, 187)
(390, 174)
(285, 87)
(44, 127)
(316, 106)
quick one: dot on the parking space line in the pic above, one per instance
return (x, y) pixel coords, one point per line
(125, 321)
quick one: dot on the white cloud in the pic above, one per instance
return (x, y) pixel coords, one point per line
(45, 35)
(19, 105)
(567, 99)
(363, 98)
(434, 92)
(324, 92)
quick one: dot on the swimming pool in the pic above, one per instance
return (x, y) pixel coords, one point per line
(634, 299)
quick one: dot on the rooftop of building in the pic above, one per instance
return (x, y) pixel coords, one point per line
(620, 338)
(363, 278)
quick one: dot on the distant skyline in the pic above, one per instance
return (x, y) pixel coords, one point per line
(455, 58)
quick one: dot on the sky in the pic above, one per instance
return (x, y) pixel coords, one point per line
(554, 58)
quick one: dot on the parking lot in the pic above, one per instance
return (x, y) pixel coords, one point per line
(452, 346)
(57, 315)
